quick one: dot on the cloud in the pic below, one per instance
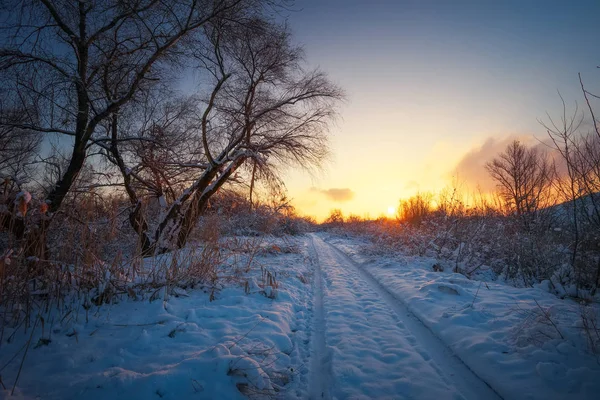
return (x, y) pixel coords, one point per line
(336, 194)
(471, 168)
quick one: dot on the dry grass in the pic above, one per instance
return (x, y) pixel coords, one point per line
(92, 263)
(537, 326)
(590, 327)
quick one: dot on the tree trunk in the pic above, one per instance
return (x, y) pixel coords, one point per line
(252, 184)
(137, 219)
(199, 202)
(63, 186)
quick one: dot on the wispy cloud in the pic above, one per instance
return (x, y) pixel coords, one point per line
(336, 194)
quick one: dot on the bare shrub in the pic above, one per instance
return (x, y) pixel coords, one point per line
(579, 185)
(231, 209)
(471, 240)
(334, 220)
(416, 208)
(590, 325)
(92, 261)
(537, 326)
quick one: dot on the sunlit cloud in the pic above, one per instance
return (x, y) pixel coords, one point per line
(336, 194)
(471, 171)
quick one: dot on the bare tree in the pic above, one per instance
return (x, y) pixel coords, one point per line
(262, 111)
(72, 65)
(588, 155)
(580, 184)
(18, 147)
(156, 167)
(58, 57)
(524, 179)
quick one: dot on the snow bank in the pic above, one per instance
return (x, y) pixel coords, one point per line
(525, 343)
(240, 343)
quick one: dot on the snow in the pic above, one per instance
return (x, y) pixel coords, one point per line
(23, 196)
(497, 330)
(377, 349)
(162, 201)
(185, 347)
(312, 317)
(22, 199)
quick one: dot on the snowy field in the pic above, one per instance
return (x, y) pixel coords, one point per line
(246, 338)
(523, 343)
(311, 317)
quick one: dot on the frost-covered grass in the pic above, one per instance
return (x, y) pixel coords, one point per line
(178, 329)
(487, 245)
(525, 342)
(234, 317)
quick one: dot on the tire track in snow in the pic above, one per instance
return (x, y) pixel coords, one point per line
(320, 359)
(448, 364)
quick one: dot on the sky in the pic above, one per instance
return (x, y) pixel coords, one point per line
(434, 89)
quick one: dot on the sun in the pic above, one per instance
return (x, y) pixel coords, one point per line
(391, 210)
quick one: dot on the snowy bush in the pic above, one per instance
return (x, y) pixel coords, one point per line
(480, 240)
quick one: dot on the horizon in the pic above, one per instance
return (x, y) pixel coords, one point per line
(434, 91)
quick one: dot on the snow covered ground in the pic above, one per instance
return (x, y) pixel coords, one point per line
(524, 343)
(312, 317)
(376, 348)
(251, 338)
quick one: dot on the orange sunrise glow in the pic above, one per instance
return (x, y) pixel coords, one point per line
(428, 104)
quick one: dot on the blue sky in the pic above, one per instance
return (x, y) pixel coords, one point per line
(429, 81)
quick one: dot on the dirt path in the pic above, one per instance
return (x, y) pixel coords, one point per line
(366, 344)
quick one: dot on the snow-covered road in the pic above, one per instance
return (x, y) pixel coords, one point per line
(367, 344)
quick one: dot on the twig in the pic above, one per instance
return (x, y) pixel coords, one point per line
(476, 293)
(13, 357)
(247, 333)
(548, 318)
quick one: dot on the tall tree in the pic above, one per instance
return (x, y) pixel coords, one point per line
(58, 57)
(72, 65)
(263, 109)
